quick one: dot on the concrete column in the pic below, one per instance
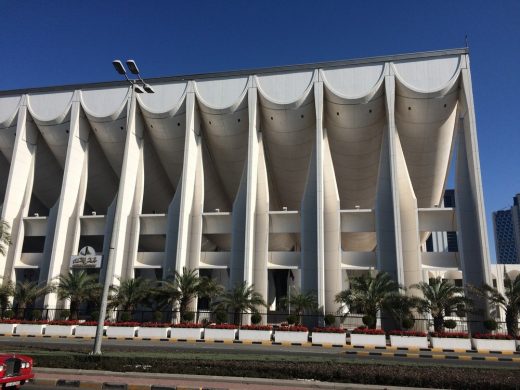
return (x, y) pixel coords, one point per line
(192, 183)
(329, 230)
(126, 219)
(70, 205)
(311, 272)
(172, 232)
(261, 227)
(389, 257)
(471, 221)
(19, 187)
(244, 207)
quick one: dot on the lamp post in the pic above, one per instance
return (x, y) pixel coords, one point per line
(109, 274)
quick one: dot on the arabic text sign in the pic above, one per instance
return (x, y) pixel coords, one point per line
(88, 261)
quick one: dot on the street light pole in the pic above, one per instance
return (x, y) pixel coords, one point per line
(109, 274)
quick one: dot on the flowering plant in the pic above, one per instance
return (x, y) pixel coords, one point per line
(493, 336)
(93, 323)
(222, 326)
(450, 335)
(9, 321)
(256, 327)
(156, 324)
(187, 325)
(362, 330)
(34, 322)
(293, 328)
(63, 322)
(127, 324)
(409, 333)
(328, 329)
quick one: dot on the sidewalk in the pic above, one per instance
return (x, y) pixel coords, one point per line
(148, 381)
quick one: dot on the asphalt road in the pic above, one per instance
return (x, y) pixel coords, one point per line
(345, 354)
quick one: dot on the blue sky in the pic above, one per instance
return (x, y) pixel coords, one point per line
(62, 42)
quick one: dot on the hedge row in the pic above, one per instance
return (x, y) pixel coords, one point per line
(392, 375)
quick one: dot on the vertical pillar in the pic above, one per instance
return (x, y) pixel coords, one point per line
(19, 187)
(69, 207)
(242, 266)
(471, 221)
(130, 191)
(388, 227)
(192, 166)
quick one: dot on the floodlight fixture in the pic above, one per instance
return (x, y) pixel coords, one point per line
(120, 68)
(132, 66)
(148, 88)
(138, 84)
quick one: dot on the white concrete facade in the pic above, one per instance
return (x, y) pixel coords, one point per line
(315, 169)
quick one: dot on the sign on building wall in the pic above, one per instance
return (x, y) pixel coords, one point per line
(86, 258)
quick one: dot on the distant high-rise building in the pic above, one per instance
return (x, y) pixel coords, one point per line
(507, 233)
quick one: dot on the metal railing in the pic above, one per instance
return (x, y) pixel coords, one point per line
(275, 318)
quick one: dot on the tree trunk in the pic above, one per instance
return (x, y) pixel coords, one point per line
(438, 323)
(512, 321)
(73, 310)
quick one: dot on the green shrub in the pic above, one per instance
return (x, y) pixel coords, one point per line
(188, 316)
(221, 316)
(8, 314)
(329, 319)
(292, 319)
(490, 325)
(125, 316)
(450, 324)
(157, 316)
(94, 315)
(256, 318)
(36, 314)
(64, 314)
(369, 321)
(408, 323)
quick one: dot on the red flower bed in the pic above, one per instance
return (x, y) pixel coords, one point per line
(367, 331)
(34, 322)
(9, 321)
(256, 327)
(63, 322)
(222, 326)
(493, 336)
(293, 328)
(450, 335)
(328, 329)
(156, 324)
(187, 325)
(409, 333)
(124, 324)
(93, 323)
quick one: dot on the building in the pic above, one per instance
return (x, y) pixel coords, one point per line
(444, 241)
(507, 233)
(311, 173)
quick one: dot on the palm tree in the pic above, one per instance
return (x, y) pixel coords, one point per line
(241, 299)
(181, 289)
(132, 292)
(6, 292)
(5, 237)
(440, 296)
(298, 302)
(25, 293)
(369, 295)
(77, 287)
(509, 301)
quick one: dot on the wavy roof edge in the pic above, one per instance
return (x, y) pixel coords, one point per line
(247, 72)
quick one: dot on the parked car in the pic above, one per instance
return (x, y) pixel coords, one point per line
(15, 370)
